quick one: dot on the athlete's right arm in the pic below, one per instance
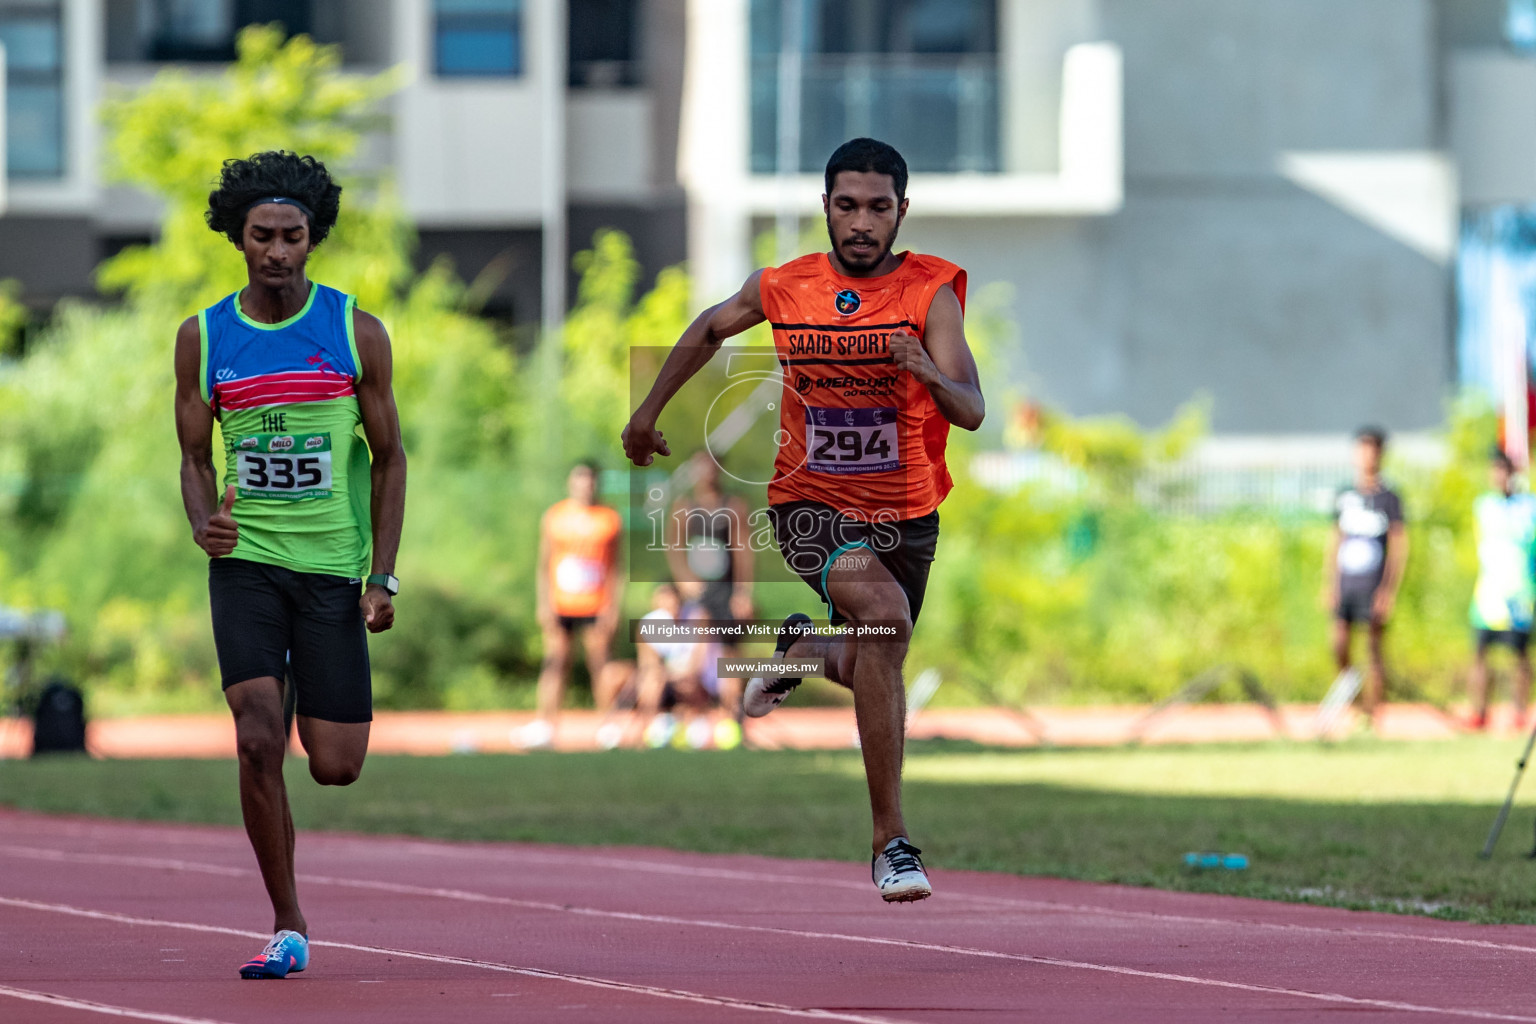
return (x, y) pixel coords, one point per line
(543, 610)
(697, 346)
(213, 526)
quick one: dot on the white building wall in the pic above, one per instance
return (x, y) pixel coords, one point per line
(469, 152)
(1493, 126)
(608, 146)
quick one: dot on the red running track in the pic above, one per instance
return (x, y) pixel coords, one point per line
(102, 920)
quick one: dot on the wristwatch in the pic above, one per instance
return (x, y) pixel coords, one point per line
(386, 581)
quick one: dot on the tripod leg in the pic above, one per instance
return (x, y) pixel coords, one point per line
(1509, 801)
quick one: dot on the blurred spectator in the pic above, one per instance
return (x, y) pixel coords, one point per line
(1364, 565)
(710, 558)
(1503, 600)
(578, 590)
(675, 684)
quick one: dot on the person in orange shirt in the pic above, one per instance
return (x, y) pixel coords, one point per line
(578, 588)
(876, 368)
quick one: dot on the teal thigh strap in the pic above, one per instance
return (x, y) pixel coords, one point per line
(831, 611)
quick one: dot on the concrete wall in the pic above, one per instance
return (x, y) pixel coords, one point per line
(468, 152)
(1219, 275)
(54, 256)
(608, 145)
(1492, 109)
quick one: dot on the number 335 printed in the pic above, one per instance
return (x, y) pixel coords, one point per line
(292, 477)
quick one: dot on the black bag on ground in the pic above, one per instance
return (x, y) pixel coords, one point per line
(59, 721)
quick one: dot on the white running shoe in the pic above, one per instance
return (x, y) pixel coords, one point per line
(764, 693)
(536, 735)
(898, 873)
(610, 735)
(660, 730)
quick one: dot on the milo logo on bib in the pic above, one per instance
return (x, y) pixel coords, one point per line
(265, 469)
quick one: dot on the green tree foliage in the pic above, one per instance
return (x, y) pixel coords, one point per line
(1042, 597)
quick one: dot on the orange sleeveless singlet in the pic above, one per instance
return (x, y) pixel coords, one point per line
(858, 435)
(583, 546)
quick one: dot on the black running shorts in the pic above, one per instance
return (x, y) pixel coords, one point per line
(1356, 605)
(266, 618)
(813, 536)
(1516, 640)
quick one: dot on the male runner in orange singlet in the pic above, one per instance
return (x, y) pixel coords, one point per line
(876, 368)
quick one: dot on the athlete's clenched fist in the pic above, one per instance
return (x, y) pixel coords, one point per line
(908, 354)
(642, 440)
(378, 608)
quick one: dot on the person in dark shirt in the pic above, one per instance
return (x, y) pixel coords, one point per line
(711, 560)
(1364, 566)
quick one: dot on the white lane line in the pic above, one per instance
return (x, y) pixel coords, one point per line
(121, 860)
(758, 879)
(969, 951)
(932, 947)
(103, 1008)
(680, 995)
(41, 853)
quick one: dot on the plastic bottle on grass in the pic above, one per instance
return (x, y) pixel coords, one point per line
(1204, 861)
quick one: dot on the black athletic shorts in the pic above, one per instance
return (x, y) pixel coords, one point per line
(1516, 640)
(1356, 606)
(571, 623)
(813, 536)
(267, 619)
(716, 600)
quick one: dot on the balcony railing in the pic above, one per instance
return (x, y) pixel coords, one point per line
(940, 111)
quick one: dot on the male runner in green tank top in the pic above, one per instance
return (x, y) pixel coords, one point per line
(290, 369)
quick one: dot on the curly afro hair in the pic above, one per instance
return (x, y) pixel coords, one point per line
(274, 173)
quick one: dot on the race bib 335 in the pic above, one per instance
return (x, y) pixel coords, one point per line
(289, 467)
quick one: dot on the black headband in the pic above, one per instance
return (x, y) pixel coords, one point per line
(282, 200)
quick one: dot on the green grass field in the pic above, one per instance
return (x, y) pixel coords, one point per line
(1391, 826)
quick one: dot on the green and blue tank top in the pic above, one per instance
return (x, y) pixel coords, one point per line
(1505, 595)
(285, 395)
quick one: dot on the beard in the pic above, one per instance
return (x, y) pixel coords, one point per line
(853, 261)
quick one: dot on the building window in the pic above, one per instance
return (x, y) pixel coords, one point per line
(193, 31)
(602, 40)
(919, 74)
(34, 89)
(479, 38)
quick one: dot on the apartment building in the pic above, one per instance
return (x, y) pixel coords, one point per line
(505, 128)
